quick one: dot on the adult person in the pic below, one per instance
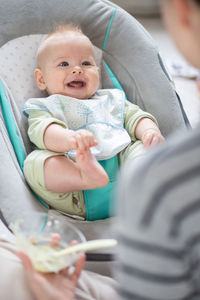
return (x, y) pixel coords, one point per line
(159, 217)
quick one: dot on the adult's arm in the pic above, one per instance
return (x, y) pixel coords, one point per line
(158, 227)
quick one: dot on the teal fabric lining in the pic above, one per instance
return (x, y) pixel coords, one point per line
(98, 202)
(40, 200)
(12, 131)
(114, 79)
(108, 29)
(11, 126)
(43, 223)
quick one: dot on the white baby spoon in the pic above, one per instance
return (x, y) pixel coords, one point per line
(89, 245)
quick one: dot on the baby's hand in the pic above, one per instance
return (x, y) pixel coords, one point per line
(80, 140)
(152, 137)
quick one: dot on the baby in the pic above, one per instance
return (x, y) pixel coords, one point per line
(77, 125)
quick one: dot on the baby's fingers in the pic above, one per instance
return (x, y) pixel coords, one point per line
(155, 140)
(81, 142)
(152, 140)
(85, 140)
(147, 140)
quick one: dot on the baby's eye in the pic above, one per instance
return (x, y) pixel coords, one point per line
(64, 64)
(86, 63)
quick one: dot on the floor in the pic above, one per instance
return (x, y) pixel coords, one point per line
(186, 88)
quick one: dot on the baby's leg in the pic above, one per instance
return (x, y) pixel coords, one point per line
(62, 175)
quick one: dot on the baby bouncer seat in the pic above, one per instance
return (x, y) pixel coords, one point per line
(129, 59)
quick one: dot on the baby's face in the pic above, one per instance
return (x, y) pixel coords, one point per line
(68, 67)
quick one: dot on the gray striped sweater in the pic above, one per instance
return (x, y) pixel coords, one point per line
(158, 227)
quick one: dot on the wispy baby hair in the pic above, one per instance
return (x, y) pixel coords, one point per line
(61, 28)
(58, 29)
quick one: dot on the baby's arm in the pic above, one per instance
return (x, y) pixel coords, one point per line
(60, 139)
(49, 133)
(148, 132)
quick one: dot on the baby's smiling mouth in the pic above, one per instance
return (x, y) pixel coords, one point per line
(76, 84)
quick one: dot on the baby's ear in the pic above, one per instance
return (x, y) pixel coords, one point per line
(39, 79)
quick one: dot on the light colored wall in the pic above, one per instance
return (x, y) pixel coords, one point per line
(139, 7)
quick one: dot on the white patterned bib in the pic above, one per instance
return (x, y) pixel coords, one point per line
(102, 115)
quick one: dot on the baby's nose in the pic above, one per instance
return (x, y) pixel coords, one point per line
(77, 70)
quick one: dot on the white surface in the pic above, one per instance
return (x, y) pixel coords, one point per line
(141, 7)
(186, 88)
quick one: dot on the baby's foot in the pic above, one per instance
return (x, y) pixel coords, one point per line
(93, 174)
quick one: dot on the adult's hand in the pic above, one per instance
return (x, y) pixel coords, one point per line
(51, 286)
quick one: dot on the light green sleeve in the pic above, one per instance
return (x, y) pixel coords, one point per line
(38, 121)
(132, 115)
